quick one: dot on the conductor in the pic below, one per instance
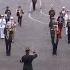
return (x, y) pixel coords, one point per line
(27, 59)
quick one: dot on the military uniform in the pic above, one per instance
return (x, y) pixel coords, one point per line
(68, 26)
(51, 13)
(63, 11)
(52, 32)
(27, 60)
(60, 20)
(8, 14)
(56, 40)
(19, 15)
(12, 25)
(54, 35)
(8, 40)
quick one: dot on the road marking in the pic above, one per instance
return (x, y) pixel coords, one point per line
(35, 19)
(30, 8)
(41, 9)
(43, 13)
(29, 15)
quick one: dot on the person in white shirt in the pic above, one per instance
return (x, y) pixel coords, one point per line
(3, 20)
(2, 26)
(67, 16)
(63, 11)
(12, 25)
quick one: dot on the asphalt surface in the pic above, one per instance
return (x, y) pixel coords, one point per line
(34, 33)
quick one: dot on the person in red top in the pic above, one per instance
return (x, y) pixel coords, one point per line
(7, 13)
(60, 20)
(56, 39)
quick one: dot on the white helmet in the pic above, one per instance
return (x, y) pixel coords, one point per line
(63, 7)
(2, 15)
(11, 18)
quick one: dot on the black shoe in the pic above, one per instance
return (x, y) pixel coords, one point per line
(68, 42)
(54, 54)
(7, 54)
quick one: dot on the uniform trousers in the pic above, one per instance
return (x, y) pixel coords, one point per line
(20, 20)
(69, 37)
(55, 44)
(8, 47)
(34, 5)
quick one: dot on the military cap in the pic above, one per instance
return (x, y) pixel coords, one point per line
(27, 49)
(7, 7)
(63, 7)
(11, 18)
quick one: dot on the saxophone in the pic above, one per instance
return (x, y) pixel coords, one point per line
(7, 36)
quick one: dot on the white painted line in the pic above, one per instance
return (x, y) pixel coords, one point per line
(44, 13)
(40, 3)
(30, 8)
(35, 19)
(41, 9)
(29, 15)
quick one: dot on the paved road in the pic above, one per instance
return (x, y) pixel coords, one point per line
(34, 33)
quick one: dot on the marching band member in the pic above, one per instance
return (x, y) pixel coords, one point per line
(34, 4)
(60, 20)
(19, 13)
(3, 21)
(56, 39)
(12, 25)
(8, 14)
(2, 26)
(63, 11)
(28, 58)
(52, 33)
(51, 13)
(67, 17)
(68, 32)
(8, 40)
